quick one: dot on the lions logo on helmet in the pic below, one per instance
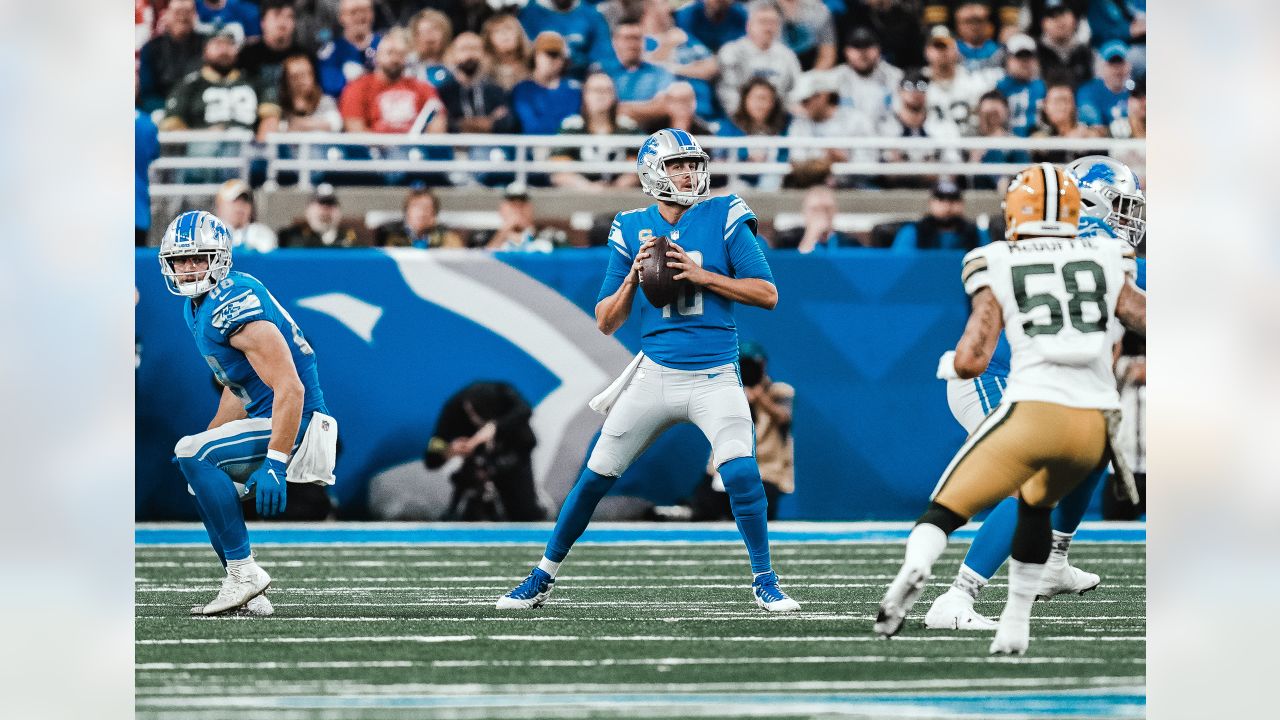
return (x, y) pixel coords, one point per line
(1110, 191)
(651, 164)
(195, 232)
(1042, 201)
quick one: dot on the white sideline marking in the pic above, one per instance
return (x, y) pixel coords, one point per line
(273, 665)
(529, 616)
(613, 638)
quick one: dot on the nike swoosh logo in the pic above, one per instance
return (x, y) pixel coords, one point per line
(712, 375)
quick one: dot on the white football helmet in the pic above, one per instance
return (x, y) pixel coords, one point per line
(651, 164)
(1110, 191)
(195, 232)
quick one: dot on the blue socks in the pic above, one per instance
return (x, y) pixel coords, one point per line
(994, 541)
(219, 508)
(576, 512)
(741, 478)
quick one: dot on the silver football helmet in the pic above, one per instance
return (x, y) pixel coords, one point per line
(1110, 191)
(195, 232)
(651, 164)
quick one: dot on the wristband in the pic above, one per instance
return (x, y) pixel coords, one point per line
(278, 456)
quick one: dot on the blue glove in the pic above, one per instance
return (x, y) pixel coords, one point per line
(269, 482)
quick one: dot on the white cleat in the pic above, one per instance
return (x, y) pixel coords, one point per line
(238, 588)
(257, 607)
(953, 610)
(529, 594)
(1012, 638)
(771, 597)
(901, 595)
(1065, 578)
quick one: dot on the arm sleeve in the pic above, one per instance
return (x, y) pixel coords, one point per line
(331, 78)
(619, 262)
(974, 272)
(746, 257)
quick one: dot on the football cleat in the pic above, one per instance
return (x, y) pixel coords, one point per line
(1063, 579)
(1012, 637)
(898, 599)
(529, 594)
(764, 588)
(953, 610)
(257, 607)
(238, 587)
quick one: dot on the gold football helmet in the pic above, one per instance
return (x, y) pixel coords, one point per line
(1042, 200)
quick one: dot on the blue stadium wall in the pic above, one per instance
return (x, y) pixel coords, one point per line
(857, 332)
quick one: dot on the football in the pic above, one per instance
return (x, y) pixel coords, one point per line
(656, 279)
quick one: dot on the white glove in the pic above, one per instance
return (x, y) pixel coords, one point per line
(947, 366)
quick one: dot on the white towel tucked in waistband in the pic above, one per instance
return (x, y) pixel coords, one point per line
(604, 402)
(317, 454)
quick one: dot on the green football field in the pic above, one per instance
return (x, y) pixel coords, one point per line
(367, 630)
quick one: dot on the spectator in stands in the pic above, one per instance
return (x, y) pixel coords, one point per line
(233, 204)
(599, 116)
(578, 23)
(680, 111)
(352, 54)
(896, 24)
(911, 118)
(432, 33)
(1058, 118)
(304, 108)
(615, 11)
(818, 232)
(944, 12)
(219, 96)
(820, 115)
(220, 13)
(759, 52)
(509, 50)
(487, 425)
(420, 227)
(760, 113)
(544, 100)
(144, 23)
(388, 100)
(867, 82)
(146, 148)
(953, 90)
(714, 23)
(464, 15)
(1134, 125)
(169, 57)
(1105, 99)
(1021, 84)
(519, 231)
(944, 227)
(473, 101)
(639, 82)
(322, 225)
(683, 55)
(261, 60)
(1062, 56)
(1122, 20)
(993, 121)
(978, 50)
(809, 30)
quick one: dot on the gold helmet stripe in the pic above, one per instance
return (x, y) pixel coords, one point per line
(1050, 191)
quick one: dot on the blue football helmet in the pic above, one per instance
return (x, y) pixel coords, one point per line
(651, 164)
(195, 232)
(1110, 191)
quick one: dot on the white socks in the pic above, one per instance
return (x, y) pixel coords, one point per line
(549, 567)
(925, 543)
(1061, 542)
(1024, 581)
(969, 582)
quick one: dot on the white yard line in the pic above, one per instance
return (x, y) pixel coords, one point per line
(762, 639)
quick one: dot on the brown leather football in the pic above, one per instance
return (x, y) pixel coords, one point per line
(656, 279)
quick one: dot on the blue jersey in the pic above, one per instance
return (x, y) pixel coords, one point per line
(541, 110)
(1025, 97)
(146, 148)
(340, 62)
(584, 29)
(692, 18)
(237, 300)
(697, 331)
(1097, 105)
(237, 12)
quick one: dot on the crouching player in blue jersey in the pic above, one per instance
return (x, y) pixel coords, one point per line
(1112, 206)
(687, 370)
(271, 406)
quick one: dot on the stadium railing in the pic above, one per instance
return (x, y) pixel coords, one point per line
(306, 154)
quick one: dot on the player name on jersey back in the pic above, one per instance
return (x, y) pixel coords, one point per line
(1058, 299)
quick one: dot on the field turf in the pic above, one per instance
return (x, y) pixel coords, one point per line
(633, 630)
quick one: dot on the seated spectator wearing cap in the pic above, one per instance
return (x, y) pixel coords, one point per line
(911, 118)
(953, 90)
(975, 34)
(638, 82)
(818, 233)
(683, 55)
(599, 116)
(420, 226)
(944, 12)
(993, 121)
(760, 113)
(1062, 55)
(867, 82)
(233, 204)
(219, 96)
(231, 12)
(713, 23)
(169, 57)
(507, 48)
(354, 52)
(1021, 85)
(809, 29)
(944, 226)
(431, 32)
(760, 52)
(519, 231)
(1105, 99)
(579, 24)
(820, 115)
(388, 100)
(262, 59)
(322, 225)
(547, 97)
(896, 25)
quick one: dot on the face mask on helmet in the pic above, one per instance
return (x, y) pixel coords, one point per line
(195, 234)
(1109, 191)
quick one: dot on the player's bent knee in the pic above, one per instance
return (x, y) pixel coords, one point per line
(605, 462)
(188, 446)
(734, 441)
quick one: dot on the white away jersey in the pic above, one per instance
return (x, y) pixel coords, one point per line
(1058, 297)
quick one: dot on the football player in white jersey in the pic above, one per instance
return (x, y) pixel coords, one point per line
(1059, 298)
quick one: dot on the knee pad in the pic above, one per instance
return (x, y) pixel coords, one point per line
(735, 440)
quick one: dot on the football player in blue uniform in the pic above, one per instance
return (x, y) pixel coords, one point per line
(1112, 206)
(687, 370)
(271, 406)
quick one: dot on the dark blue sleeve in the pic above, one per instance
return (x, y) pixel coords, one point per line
(746, 257)
(617, 271)
(332, 81)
